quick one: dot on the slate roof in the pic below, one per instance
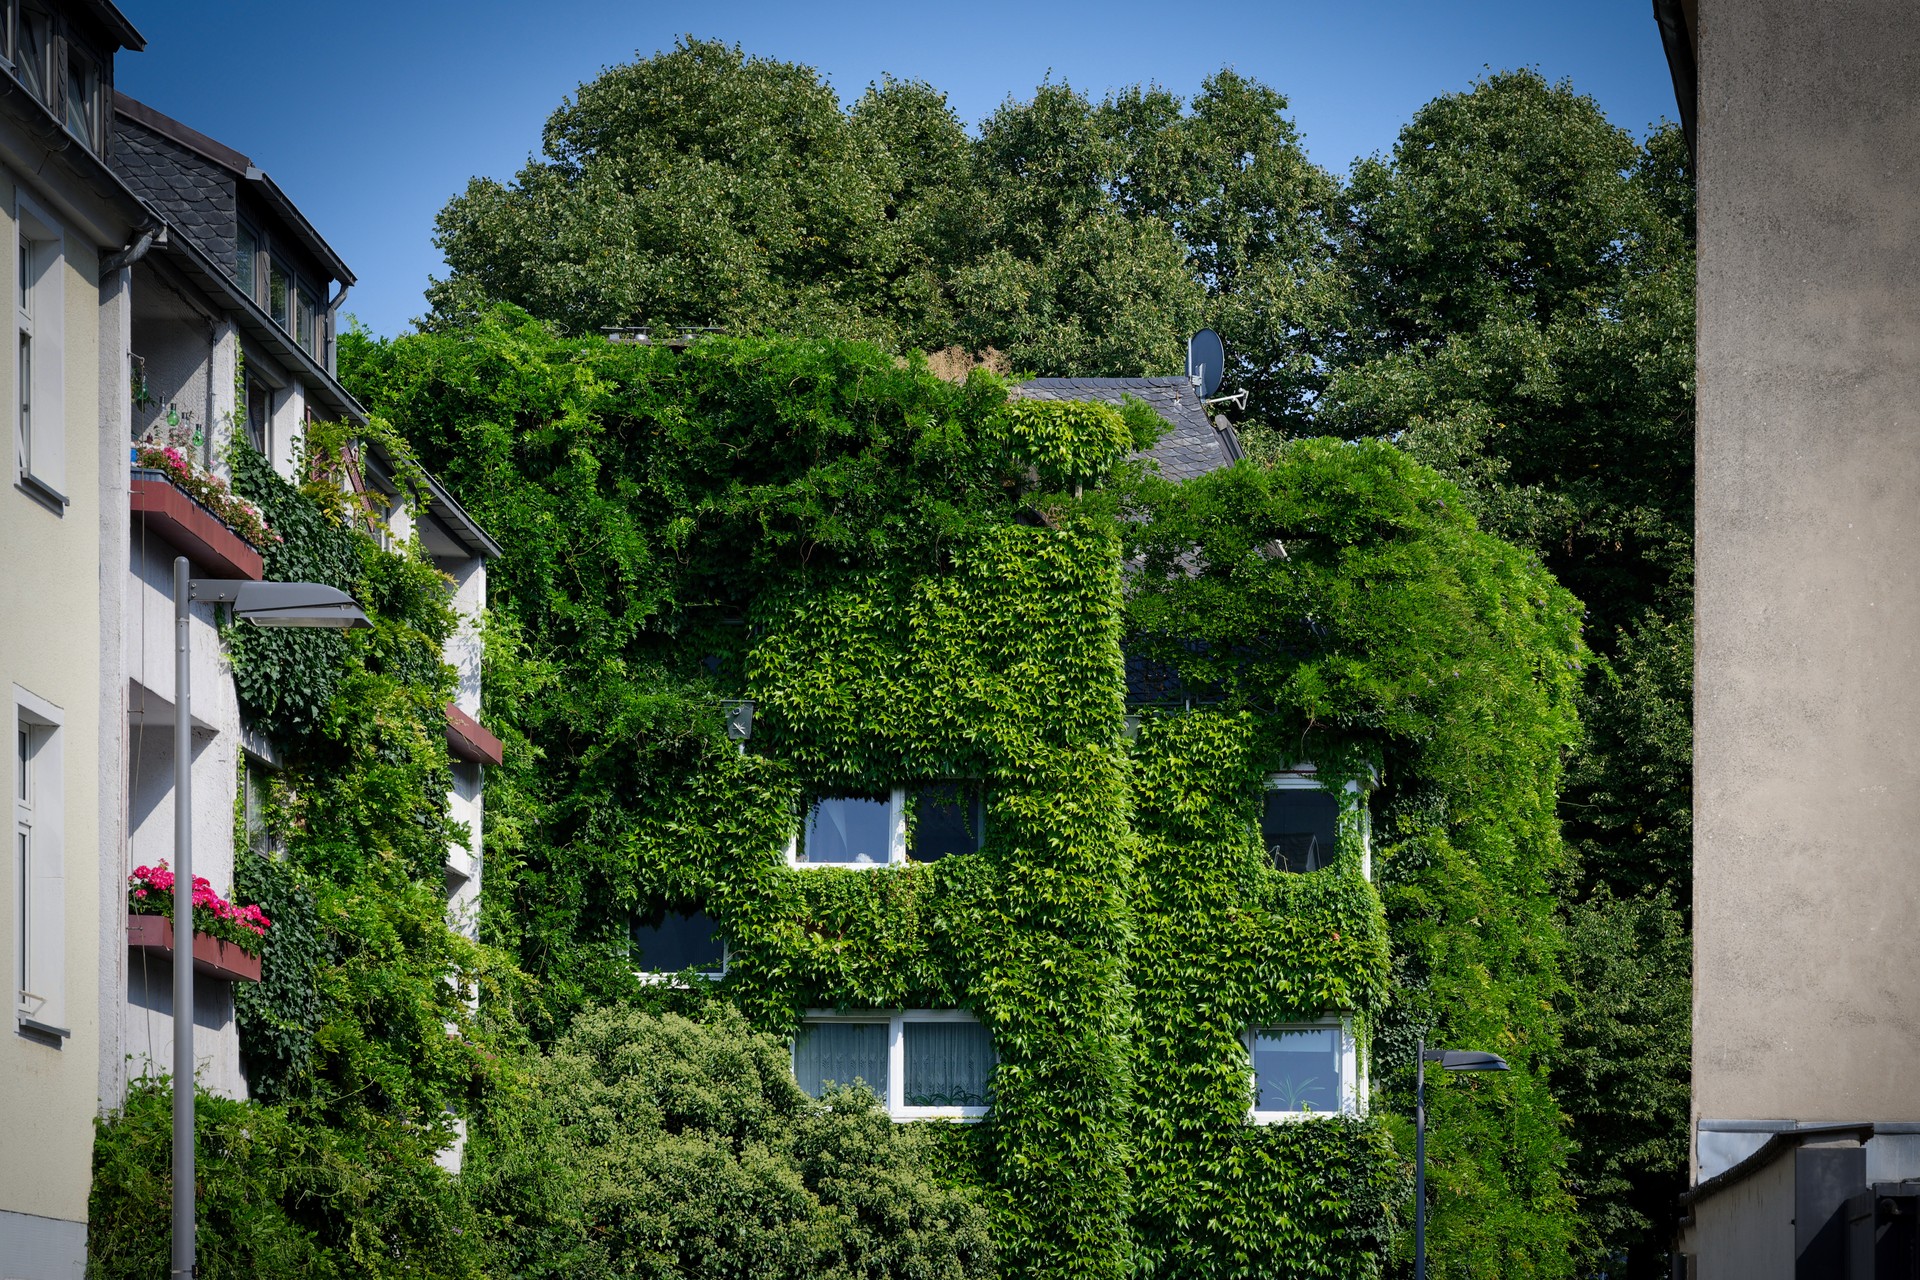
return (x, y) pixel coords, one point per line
(193, 194)
(1193, 446)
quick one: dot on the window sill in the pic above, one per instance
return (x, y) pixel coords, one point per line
(1295, 1117)
(43, 493)
(42, 1032)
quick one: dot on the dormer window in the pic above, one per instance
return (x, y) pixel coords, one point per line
(246, 261)
(280, 296)
(83, 99)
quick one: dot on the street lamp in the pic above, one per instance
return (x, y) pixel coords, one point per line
(1449, 1060)
(265, 604)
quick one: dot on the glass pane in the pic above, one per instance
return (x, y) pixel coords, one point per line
(79, 98)
(948, 1064)
(848, 829)
(1297, 826)
(841, 1053)
(20, 772)
(1297, 1070)
(947, 818)
(26, 402)
(246, 251)
(32, 63)
(26, 277)
(677, 940)
(279, 287)
(303, 323)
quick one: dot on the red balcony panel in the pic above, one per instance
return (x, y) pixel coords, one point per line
(469, 741)
(211, 956)
(172, 515)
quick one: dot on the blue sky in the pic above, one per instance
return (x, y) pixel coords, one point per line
(371, 115)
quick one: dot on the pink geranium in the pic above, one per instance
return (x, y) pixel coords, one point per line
(151, 893)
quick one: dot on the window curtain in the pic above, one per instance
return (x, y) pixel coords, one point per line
(841, 1053)
(948, 1064)
(849, 829)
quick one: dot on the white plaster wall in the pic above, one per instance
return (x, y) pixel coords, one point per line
(146, 1011)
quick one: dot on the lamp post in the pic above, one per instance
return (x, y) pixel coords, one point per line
(1449, 1060)
(265, 604)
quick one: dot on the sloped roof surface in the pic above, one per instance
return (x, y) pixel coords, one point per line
(1193, 446)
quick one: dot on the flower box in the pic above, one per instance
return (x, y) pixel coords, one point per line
(170, 513)
(211, 956)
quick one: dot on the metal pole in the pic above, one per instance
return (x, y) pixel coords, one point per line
(1420, 1161)
(183, 1186)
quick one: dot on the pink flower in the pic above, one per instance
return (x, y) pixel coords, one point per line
(139, 893)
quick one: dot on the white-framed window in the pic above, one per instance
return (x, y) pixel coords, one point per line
(1301, 819)
(671, 941)
(919, 824)
(923, 1064)
(39, 870)
(40, 444)
(1304, 1069)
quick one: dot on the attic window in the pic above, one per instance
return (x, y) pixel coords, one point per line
(30, 63)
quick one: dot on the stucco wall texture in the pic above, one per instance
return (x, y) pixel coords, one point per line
(1807, 705)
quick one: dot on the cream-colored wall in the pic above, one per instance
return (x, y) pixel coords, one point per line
(50, 647)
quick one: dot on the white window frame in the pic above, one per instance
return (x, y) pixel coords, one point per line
(39, 417)
(1353, 806)
(657, 978)
(896, 837)
(1353, 1083)
(38, 860)
(896, 1020)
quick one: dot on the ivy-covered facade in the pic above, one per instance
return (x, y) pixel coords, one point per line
(931, 595)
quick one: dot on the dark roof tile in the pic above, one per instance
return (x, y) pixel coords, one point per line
(1192, 446)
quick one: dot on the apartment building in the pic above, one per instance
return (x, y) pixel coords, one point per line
(72, 226)
(171, 305)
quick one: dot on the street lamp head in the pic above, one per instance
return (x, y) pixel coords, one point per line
(1465, 1060)
(282, 604)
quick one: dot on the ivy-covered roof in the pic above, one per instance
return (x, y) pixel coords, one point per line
(1192, 448)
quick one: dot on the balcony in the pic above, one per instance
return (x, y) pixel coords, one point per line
(167, 512)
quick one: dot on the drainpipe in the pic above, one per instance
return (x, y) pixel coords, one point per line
(150, 235)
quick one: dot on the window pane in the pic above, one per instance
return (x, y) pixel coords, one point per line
(26, 402)
(32, 63)
(848, 829)
(80, 98)
(1298, 825)
(279, 287)
(20, 771)
(25, 277)
(841, 1053)
(1297, 1070)
(948, 1064)
(303, 322)
(947, 818)
(675, 940)
(246, 252)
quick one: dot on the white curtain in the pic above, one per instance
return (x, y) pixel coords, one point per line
(848, 829)
(841, 1053)
(947, 1064)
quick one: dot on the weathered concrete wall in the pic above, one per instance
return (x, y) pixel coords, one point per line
(1807, 844)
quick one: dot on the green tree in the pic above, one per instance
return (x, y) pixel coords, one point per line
(1520, 317)
(661, 1145)
(701, 186)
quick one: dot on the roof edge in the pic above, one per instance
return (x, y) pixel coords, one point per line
(1769, 1151)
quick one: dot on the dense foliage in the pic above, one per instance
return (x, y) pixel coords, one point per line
(1521, 319)
(701, 186)
(914, 581)
(660, 1145)
(1507, 294)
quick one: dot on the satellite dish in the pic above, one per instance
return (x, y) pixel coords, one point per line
(1206, 361)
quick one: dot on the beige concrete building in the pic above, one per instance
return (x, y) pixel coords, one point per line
(70, 226)
(1806, 1103)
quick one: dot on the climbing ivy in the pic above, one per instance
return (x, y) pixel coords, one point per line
(916, 581)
